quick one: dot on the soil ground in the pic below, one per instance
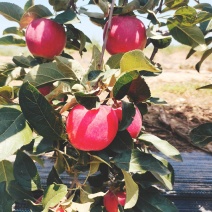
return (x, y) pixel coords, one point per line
(186, 108)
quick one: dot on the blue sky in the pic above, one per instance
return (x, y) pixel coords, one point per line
(92, 31)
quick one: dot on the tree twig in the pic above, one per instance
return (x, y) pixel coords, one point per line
(154, 52)
(159, 9)
(106, 33)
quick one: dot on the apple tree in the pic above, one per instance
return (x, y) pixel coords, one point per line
(87, 122)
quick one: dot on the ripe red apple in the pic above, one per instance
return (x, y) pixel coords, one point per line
(127, 33)
(45, 89)
(60, 209)
(91, 130)
(111, 200)
(45, 38)
(135, 127)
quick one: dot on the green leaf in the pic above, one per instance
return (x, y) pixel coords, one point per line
(133, 85)
(201, 135)
(136, 60)
(6, 92)
(162, 145)
(202, 17)
(26, 173)
(191, 36)
(6, 201)
(53, 177)
(152, 200)
(47, 73)
(12, 40)
(128, 113)
(10, 11)
(173, 4)
(204, 56)
(80, 207)
(137, 161)
(40, 114)
(114, 61)
(13, 30)
(6, 171)
(205, 87)
(131, 190)
(122, 142)
(28, 4)
(59, 5)
(23, 61)
(53, 195)
(14, 130)
(156, 101)
(89, 101)
(66, 17)
(18, 193)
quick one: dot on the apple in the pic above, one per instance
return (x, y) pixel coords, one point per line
(111, 200)
(126, 33)
(45, 89)
(60, 209)
(45, 38)
(135, 127)
(91, 130)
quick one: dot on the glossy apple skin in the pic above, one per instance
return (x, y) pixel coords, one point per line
(135, 127)
(91, 130)
(127, 33)
(121, 197)
(110, 202)
(45, 38)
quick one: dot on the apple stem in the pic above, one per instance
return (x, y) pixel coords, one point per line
(106, 34)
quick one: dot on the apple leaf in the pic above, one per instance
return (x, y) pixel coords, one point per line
(6, 92)
(191, 36)
(131, 190)
(28, 4)
(53, 177)
(14, 130)
(128, 112)
(205, 87)
(13, 30)
(53, 194)
(6, 201)
(151, 200)
(136, 60)
(59, 5)
(207, 53)
(18, 193)
(89, 101)
(174, 4)
(12, 40)
(6, 171)
(10, 11)
(122, 142)
(25, 172)
(34, 12)
(80, 207)
(201, 135)
(157, 101)
(162, 145)
(23, 61)
(40, 114)
(96, 55)
(47, 73)
(67, 17)
(114, 61)
(137, 161)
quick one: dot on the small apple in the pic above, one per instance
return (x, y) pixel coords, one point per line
(110, 202)
(91, 130)
(60, 209)
(135, 127)
(126, 33)
(45, 38)
(121, 197)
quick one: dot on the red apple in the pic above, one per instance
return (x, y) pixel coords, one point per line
(127, 33)
(110, 202)
(135, 127)
(45, 38)
(121, 197)
(60, 209)
(91, 130)
(45, 89)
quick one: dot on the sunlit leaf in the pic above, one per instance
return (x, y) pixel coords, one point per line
(13, 30)
(14, 130)
(201, 135)
(131, 190)
(114, 61)
(39, 113)
(191, 36)
(136, 60)
(12, 40)
(10, 11)
(26, 173)
(162, 145)
(173, 4)
(6, 171)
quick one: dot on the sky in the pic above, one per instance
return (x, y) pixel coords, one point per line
(92, 31)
